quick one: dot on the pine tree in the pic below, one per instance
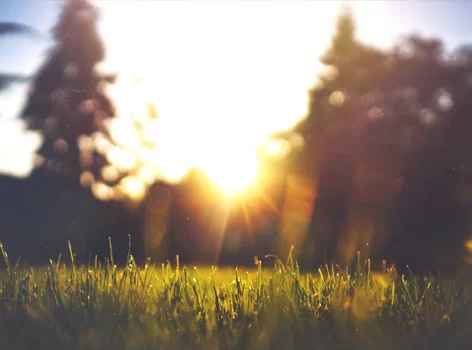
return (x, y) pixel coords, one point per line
(385, 137)
(333, 132)
(67, 104)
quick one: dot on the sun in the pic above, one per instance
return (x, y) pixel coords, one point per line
(234, 182)
(219, 94)
(235, 173)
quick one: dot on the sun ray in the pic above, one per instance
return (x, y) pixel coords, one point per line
(247, 217)
(224, 225)
(270, 203)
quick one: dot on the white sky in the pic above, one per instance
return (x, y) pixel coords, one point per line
(223, 75)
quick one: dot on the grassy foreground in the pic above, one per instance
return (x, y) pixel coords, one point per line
(103, 306)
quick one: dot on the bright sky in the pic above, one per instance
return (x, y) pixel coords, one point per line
(223, 75)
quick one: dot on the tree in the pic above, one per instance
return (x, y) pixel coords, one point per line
(386, 140)
(67, 101)
(67, 105)
(333, 131)
(430, 217)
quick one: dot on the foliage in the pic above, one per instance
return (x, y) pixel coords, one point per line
(103, 306)
(386, 143)
(334, 131)
(67, 104)
(6, 79)
(8, 28)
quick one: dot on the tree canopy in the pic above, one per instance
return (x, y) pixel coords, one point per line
(67, 103)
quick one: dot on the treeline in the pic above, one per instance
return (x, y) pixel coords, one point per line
(388, 142)
(385, 168)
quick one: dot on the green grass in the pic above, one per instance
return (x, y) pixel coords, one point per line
(104, 306)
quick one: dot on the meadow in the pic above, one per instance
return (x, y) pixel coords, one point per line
(167, 306)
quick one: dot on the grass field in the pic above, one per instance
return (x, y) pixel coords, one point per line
(104, 306)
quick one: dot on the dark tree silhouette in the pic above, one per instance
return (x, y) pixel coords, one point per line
(68, 107)
(7, 78)
(386, 142)
(333, 130)
(430, 218)
(67, 100)
(8, 28)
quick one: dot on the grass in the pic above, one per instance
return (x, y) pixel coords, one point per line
(104, 306)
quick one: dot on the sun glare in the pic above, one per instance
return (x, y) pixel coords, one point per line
(235, 173)
(220, 88)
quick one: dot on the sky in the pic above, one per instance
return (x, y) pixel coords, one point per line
(242, 67)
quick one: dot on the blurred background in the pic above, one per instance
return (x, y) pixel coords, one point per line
(226, 131)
